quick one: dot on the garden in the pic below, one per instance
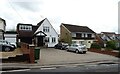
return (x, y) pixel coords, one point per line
(111, 48)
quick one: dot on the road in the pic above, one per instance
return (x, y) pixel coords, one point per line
(85, 68)
(53, 56)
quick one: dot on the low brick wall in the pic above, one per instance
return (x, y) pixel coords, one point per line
(28, 50)
(108, 52)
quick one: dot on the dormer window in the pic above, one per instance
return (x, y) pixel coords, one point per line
(25, 27)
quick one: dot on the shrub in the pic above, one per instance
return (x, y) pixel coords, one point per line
(96, 46)
(118, 48)
(111, 44)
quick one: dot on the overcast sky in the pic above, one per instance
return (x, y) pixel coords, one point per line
(99, 15)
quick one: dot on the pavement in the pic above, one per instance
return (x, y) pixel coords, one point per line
(51, 57)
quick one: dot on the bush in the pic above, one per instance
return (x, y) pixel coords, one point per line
(111, 44)
(118, 48)
(96, 46)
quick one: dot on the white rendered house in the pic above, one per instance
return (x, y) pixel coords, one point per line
(46, 27)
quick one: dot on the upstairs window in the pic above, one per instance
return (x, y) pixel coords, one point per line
(46, 29)
(25, 27)
(78, 35)
(89, 35)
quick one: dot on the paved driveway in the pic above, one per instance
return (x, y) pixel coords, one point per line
(56, 56)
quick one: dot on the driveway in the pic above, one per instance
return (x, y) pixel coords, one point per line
(56, 56)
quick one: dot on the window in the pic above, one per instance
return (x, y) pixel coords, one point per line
(25, 27)
(45, 29)
(53, 39)
(78, 35)
(73, 42)
(81, 42)
(84, 35)
(89, 35)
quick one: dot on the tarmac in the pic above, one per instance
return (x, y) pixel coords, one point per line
(59, 58)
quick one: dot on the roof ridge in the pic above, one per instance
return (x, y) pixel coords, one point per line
(73, 25)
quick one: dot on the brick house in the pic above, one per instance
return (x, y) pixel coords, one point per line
(76, 34)
(103, 37)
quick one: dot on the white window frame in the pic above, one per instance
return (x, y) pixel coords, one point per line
(24, 27)
(46, 29)
(53, 39)
(82, 34)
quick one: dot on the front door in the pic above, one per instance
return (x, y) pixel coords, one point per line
(40, 41)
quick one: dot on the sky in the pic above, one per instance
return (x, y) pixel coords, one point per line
(98, 15)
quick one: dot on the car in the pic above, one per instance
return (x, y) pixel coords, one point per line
(61, 46)
(6, 46)
(78, 48)
(58, 46)
(64, 45)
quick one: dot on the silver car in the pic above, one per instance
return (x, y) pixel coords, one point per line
(77, 48)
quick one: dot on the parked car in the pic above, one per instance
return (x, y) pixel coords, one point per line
(6, 46)
(77, 48)
(61, 46)
(64, 45)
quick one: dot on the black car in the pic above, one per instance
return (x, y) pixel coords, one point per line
(61, 46)
(58, 46)
(6, 46)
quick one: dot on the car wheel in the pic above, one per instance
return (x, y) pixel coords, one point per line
(76, 51)
(84, 52)
(7, 49)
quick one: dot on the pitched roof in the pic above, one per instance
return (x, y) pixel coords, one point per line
(41, 22)
(34, 28)
(108, 32)
(76, 28)
(117, 34)
(3, 21)
(37, 26)
(10, 32)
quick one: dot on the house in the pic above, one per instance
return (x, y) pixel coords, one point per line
(11, 36)
(46, 27)
(103, 37)
(39, 34)
(76, 34)
(25, 33)
(2, 28)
